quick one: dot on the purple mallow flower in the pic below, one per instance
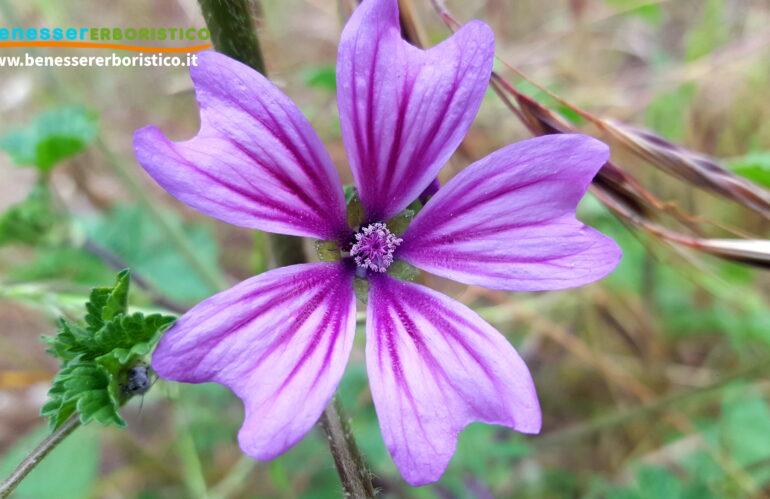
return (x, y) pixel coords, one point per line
(280, 340)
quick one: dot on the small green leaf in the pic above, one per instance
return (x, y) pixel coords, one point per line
(755, 166)
(30, 221)
(402, 270)
(709, 32)
(361, 289)
(349, 191)
(651, 13)
(52, 137)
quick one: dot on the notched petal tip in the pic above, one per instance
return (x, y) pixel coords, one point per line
(403, 110)
(255, 162)
(434, 367)
(279, 341)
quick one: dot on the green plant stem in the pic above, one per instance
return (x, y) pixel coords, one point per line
(232, 483)
(231, 23)
(41, 451)
(353, 472)
(192, 467)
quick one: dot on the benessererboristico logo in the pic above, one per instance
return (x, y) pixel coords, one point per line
(138, 40)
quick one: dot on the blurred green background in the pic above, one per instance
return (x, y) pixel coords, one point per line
(653, 382)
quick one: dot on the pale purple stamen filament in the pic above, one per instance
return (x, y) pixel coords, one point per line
(374, 247)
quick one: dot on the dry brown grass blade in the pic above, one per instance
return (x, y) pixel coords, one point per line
(749, 251)
(623, 194)
(539, 120)
(620, 192)
(696, 169)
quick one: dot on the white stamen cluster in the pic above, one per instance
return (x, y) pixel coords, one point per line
(374, 247)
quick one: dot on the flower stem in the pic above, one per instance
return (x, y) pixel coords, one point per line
(233, 33)
(232, 30)
(37, 455)
(350, 465)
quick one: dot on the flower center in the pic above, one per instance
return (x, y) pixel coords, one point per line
(374, 247)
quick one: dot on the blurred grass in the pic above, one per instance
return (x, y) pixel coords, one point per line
(663, 332)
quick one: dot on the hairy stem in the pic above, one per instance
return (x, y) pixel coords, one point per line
(350, 465)
(233, 32)
(37, 455)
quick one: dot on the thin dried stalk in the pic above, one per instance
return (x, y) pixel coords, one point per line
(36, 456)
(696, 169)
(623, 194)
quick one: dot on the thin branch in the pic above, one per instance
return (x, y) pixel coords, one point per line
(117, 263)
(41, 451)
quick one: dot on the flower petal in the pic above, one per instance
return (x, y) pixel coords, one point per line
(256, 161)
(508, 220)
(435, 366)
(279, 340)
(403, 111)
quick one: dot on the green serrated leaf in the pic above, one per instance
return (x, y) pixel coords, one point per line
(107, 302)
(95, 357)
(87, 387)
(69, 342)
(117, 300)
(54, 136)
(29, 221)
(132, 335)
